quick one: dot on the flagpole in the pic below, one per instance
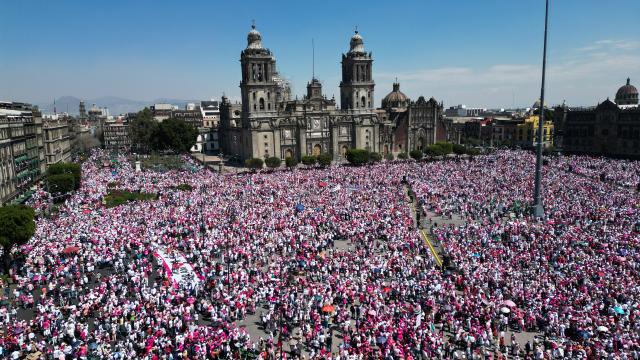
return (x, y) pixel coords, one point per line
(538, 208)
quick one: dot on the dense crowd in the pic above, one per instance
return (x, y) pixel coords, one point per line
(330, 264)
(572, 275)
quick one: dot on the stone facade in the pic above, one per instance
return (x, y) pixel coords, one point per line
(269, 123)
(22, 160)
(610, 129)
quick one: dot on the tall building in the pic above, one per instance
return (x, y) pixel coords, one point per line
(116, 134)
(21, 151)
(57, 142)
(611, 129)
(82, 111)
(269, 123)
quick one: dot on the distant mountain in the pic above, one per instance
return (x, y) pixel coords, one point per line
(116, 105)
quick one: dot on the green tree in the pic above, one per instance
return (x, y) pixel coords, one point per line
(416, 154)
(403, 156)
(291, 162)
(445, 148)
(325, 159)
(176, 135)
(254, 163)
(144, 131)
(273, 162)
(67, 168)
(473, 151)
(16, 228)
(308, 160)
(357, 156)
(60, 183)
(375, 157)
(459, 149)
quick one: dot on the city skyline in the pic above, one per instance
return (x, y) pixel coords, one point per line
(455, 53)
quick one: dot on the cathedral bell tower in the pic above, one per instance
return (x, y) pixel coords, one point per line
(356, 87)
(258, 86)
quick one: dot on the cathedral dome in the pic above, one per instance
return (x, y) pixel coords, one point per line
(395, 99)
(254, 39)
(356, 43)
(627, 94)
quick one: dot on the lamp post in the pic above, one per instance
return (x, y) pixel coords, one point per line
(538, 208)
(221, 164)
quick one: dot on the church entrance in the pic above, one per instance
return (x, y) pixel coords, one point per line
(288, 153)
(386, 149)
(420, 144)
(344, 150)
(317, 150)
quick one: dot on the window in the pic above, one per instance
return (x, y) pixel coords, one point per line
(265, 137)
(254, 95)
(261, 103)
(363, 101)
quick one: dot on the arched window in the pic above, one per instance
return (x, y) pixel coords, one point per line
(261, 103)
(363, 102)
(254, 96)
(268, 106)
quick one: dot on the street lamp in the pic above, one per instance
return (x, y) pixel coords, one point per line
(538, 208)
(221, 164)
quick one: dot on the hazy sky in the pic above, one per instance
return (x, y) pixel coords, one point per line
(480, 53)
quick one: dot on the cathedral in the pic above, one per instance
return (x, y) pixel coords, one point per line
(268, 122)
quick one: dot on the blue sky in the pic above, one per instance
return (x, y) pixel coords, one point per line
(480, 53)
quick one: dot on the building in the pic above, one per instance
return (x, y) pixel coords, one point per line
(21, 151)
(57, 141)
(210, 113)
(464, 111)
(527, 132)
(269, 123)
(116, 134)
(609, 129)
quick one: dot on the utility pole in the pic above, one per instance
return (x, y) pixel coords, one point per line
(538, 208)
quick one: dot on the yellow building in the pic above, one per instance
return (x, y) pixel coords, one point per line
(527, 132)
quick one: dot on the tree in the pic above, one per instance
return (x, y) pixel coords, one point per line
(403, 156)
(60, 183)
(325, 159)
(67, 168)
(459, 149)
(416, 154)
(291, 162)
(143, 131)
(16, 228)
(176, 135)
(273, 162)
(254, 163)
(375, 157)
(308, 160)
(358, 156)
(388, 156)
(445, 148)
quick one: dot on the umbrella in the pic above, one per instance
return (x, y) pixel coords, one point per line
(70, 250)
(372, 312)
(328, 308)
(505, 310)
(509, 303)
(618, 310)
(381, 339)
(86, 211)
(93, 346)
(602, 328)
(191, 300)
(322, 183)
(583, 334)
(293, 342)
(300, 208)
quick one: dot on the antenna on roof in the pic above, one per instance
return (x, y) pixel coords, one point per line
(313, 60)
